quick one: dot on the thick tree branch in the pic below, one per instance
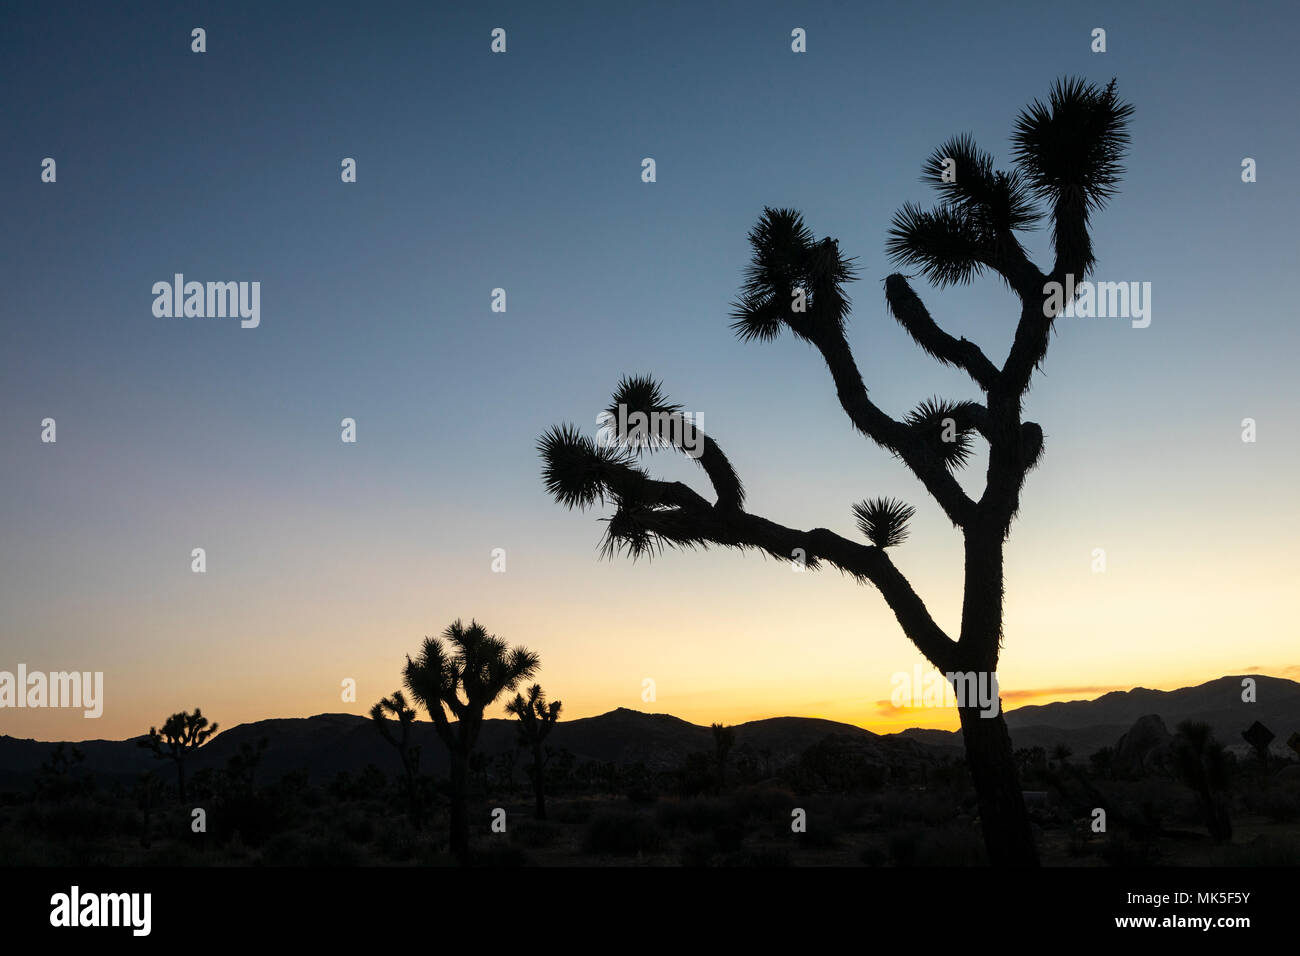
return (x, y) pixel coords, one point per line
(912, 315)
(888, 433)
(677, 515)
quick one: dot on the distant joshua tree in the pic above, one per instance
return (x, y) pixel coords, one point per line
(147, 788)
(241, 767)
(56, 779)
(724, 738)
(182, 734)
(536, 721)
(457, 677)
(409, 753)
(1103, 761)
(1067, 155)
(1202, 763)
(505, 762)
(1062, 753)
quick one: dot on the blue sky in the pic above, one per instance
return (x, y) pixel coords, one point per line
(522, 171)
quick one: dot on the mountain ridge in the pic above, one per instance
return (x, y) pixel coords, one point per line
(329, 743)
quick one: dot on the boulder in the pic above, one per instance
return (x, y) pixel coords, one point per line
(1145, 748)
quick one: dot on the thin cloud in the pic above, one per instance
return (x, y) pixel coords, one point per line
(1090, 691)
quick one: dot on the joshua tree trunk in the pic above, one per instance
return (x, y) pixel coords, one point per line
(1003, 817)
(413, 795)
(459, 830)
(180, 779)
(538, 787)
(1008, 837)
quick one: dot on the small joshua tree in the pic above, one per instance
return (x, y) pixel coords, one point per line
(181, 735)
(147, 788)
(536, 721)
(1202, 763)
(409, 753)
(724, 738)
(56, 779)
(1067, 164)
(456, 678)
(1062, 753)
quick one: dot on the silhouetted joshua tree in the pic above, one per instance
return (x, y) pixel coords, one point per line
(1062, 753)
(147, 787)
(182, 734)
(408, 752)
(724, 738)
(536, 721)
(506, 761)
(241, 767)
(459, 676)
(56, 778)
(1201, 762)
(1067, 155)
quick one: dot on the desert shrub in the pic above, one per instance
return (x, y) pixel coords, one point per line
(1124, 851)
(762, 857)
(1080, 843)
(623, 833)
(534, 833)
(1279, 850)
(823, 832)
(905, 846)
(914, 806)
(79, 818)
(283, 849)
(846, 812)
(697, 851)
(16, 850)
(256, 816)
(873, 854)
(951, 845)
(329, 851)
(765, 803)
(173, 853)
(728, 837)
(642, 794)
(297, 849)
(358, 828)
(1281, 804)
(396, 841)
(570, 811)
(696, 814)
(499, 854)
(1151, 801)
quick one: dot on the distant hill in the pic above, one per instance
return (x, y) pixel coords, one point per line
(1088, 725)
(329, 743)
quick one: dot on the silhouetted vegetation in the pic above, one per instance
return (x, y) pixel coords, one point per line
(536, 719)
(1067, 156)
(181, 735)
(409, 753)
(456, 678)
(858, 808)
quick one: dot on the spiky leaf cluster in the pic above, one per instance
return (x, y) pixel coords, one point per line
(1073, 143)
(943, 426)
(884, 520)
(644, 395)
(787, 257)
(575, 468)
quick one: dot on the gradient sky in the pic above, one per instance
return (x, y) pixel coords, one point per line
(329, 561)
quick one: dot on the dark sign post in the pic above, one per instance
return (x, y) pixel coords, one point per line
(1259, 737)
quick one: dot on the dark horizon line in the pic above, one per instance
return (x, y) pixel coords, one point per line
(418, 720)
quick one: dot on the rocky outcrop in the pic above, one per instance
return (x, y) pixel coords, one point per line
(1145, 748)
